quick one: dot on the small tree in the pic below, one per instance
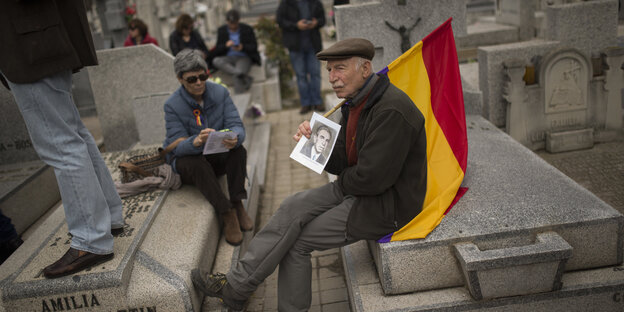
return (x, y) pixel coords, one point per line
(270, 35)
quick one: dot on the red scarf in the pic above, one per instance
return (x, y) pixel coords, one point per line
(354, 116)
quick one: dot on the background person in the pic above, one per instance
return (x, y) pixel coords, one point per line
(236, 49)
(380, 160)
(185, 37)
(300, 21)
(193, 111)
(38, 66)
(137, 34)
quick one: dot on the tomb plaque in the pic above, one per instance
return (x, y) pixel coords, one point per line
(566, 82)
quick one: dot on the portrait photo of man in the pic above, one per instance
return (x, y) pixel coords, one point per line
(318, 144)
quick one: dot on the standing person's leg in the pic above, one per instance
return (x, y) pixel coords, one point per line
(53, 124)
(313, 67)
(297, 59)
(104, 178)
(197, 170)
(270, 245)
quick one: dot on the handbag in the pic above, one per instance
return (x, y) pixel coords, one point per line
(143, 165)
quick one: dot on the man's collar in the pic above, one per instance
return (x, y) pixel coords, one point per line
(363, 92)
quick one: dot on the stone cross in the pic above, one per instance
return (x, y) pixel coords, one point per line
(405, 34)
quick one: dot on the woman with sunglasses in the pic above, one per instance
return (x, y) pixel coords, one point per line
(137, 34)
(194, 111)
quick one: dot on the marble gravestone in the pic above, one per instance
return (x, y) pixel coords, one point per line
(520, 13)
(391, 24)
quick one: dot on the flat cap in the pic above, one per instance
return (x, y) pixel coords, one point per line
(348, 48)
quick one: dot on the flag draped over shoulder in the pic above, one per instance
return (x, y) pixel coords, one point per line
(429, 74)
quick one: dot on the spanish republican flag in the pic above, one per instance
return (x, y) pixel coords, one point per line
(429, 74)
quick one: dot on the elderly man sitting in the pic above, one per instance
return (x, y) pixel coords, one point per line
(380, 160)
(194, 111)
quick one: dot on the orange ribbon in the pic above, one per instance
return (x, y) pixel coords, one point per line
(197, 114)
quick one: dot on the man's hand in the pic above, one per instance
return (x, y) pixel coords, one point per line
(201, 138)
(303, 130)
(230, 143)
(229, 43)
(303, 24)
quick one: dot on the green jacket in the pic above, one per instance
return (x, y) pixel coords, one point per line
(389, 180)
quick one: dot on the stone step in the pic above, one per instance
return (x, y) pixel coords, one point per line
(599, 289)
(168, 233)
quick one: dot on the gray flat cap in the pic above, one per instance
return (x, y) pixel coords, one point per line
(348, 48)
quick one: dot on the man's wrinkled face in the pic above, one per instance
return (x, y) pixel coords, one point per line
(196, 88)
(345, 78)
(321, 139)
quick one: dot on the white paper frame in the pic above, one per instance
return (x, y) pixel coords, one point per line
(316, 121)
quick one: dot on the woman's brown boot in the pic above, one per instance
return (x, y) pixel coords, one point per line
(231, 228)
(246, 224)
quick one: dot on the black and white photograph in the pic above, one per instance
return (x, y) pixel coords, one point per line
(315, 151)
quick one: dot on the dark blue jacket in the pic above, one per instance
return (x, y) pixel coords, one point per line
(217, 113)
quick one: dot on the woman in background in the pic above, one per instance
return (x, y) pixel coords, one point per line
(137, 34)
(185, 37)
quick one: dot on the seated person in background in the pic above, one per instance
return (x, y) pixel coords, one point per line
(137, 34)
(185, 37)
(317, 144)
(236, 49)
(193, 111)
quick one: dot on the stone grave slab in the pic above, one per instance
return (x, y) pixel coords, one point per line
(599, 289)
(15, 144)
(27, 282)
(122, 75)
(513, 197)
(413, 20)
(18, 183)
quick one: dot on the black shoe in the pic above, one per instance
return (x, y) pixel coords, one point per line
(118, 231)
(73, 262)
(319, 108)
(216, 285)
(305, 109)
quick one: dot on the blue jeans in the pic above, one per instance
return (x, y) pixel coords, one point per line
(92, 205)
(308, 71)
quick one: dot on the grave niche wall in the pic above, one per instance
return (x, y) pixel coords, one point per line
(569, 107)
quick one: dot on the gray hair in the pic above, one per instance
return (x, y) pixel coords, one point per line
(188, 60)
(360, 61)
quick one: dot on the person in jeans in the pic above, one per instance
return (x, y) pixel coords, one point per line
(194, 111)
(37, 66)
(381, 163)
(236, 50)
(300, 21)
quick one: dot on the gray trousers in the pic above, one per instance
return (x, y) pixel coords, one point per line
(310, 220)
(237, 66)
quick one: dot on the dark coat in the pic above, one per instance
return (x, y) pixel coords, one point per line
(176, 43)
(389, 179)
(247, 39)
(287, 18)
(39, 38)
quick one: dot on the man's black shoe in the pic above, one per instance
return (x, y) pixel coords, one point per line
(8, 247)
(305, 109)
(216, 285)
(74, 261)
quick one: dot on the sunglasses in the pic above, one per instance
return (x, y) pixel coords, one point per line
(132, 28)
(193, 79)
